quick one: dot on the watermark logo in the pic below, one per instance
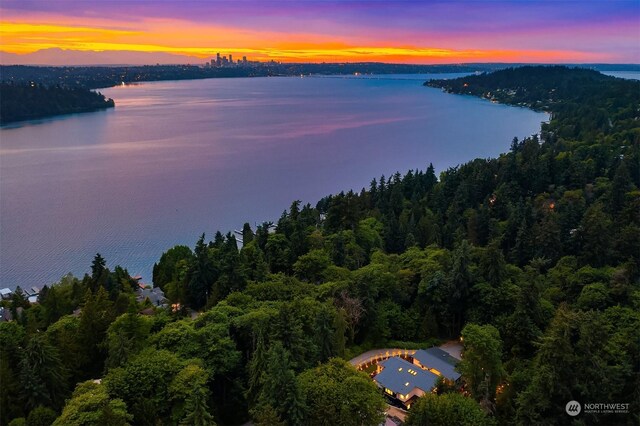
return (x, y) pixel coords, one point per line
(606, 408)
(573, 408)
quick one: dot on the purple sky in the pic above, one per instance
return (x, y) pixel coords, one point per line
(580, 31)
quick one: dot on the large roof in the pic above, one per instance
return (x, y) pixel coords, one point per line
(439, 360)
(402, 377)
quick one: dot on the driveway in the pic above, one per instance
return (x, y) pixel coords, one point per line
(379, 355)
(453, 348)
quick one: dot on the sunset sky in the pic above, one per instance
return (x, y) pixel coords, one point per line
(333, 31)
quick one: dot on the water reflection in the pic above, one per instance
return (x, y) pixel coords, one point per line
(175, 159)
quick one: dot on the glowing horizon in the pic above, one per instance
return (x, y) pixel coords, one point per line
(358, 31)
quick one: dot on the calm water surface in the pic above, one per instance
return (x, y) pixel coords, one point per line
(176, 159)
(628, 75)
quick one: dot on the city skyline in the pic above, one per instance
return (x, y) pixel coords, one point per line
(324, 31)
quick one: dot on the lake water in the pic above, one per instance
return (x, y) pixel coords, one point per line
(628, 75)
(176, 159)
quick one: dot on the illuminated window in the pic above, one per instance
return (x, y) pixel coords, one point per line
(389, 391)
(406, 384)
(400, 369)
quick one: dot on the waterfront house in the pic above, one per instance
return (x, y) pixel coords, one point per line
(5, 293)
(32, 291)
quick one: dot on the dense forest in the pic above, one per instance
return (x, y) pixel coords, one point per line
(533, 258)
(29, 100)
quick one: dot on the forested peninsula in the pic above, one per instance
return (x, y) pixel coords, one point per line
(29, 100)
(533, 258)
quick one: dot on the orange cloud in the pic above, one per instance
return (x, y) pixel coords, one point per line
(202, 41)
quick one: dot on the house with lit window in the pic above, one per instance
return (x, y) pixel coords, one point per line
(410, 378)
(403, 380)
(437, 362)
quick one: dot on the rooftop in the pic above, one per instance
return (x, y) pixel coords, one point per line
(33, 291)
(437, 359)
(402, 377)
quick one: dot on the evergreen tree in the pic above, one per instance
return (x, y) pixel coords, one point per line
(197, 409)
(547, 238)
(98, 271)
(621, 184)
(255, 267)
(325, 332)
(43, 377)
(525, 325)
(493, 264)
(96, 316)
(257, 367)
(280, 389)
(481, 366)
(247, 234)
(460, 281)
(595, 233)
(201, 275)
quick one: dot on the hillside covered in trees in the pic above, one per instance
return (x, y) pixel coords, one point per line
(28, 101)
(533, 257)
(585, 103)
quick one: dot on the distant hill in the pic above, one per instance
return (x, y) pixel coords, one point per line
(63, 57)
